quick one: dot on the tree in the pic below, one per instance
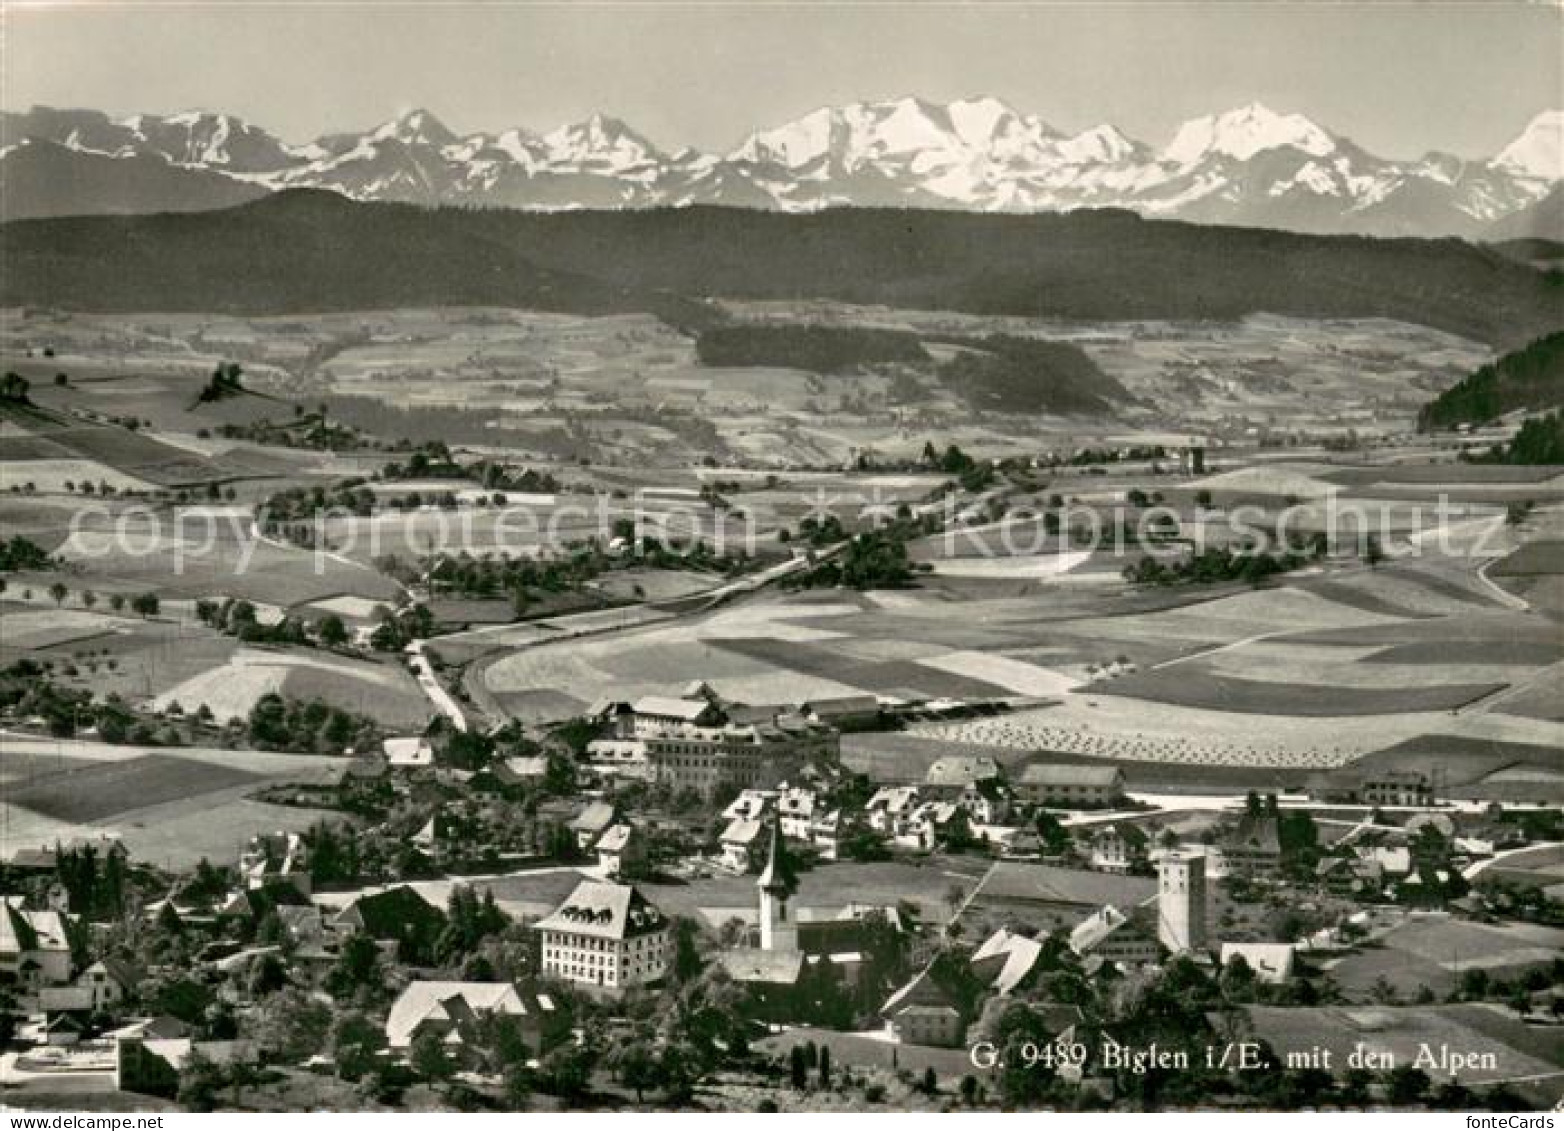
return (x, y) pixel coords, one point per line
(825, 1066)
(332, 632)
(267, 976)
(1406, 1085)
(292, 1026)
(58, 592)
(355, 1041)
(635, 1066)
(145, 605)
(428, 1058)
(518, 1086)
(1373, 552)
(798, 1067)
(200, 1081)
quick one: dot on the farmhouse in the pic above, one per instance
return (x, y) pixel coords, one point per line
(1112, 936)
(396, 916)
(606, 937)
(924, 1012)
(844, 712)
(949, 777)
(1043, 783)
(1006, 960)
(1047, 897)
(453, 1012)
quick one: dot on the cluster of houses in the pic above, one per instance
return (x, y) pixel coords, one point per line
(1129, 899)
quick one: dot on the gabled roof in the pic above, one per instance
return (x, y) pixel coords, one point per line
(667, 707)
(843, 706)
(595, 818)
(923, 990)
(961, 770)
(765, 967)
(391, 914)
(616, 838)
(455, 1002)
(31, 930)
(1010, 956)
(614, 911)
(1093, 931)
(125, 974)
(742, 830)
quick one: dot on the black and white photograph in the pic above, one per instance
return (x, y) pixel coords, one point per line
(743, 556)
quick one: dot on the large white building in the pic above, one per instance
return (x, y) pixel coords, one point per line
(606, 937)
(704, 743)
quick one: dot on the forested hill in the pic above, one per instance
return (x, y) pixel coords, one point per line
(1530, 378)
(311, 250)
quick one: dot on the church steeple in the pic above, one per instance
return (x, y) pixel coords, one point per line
(778, 877)
(777, 883)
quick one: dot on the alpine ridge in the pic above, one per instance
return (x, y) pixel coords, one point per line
(1249, 166)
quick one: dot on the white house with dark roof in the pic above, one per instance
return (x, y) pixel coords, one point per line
(606, 937)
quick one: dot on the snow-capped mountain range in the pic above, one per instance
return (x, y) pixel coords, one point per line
(1248, 166)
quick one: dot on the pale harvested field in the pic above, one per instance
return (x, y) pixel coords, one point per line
(231, 691)
(1019, 566)
(1012, 675)
(51, 475)
(24, 627)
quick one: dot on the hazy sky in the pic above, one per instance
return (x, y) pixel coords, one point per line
(1399, 78)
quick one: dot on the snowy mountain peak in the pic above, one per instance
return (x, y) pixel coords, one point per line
(600, 140)
(415, 127)
(1104, 145)
(1539, 150)
(1244, 132)
(978, 121)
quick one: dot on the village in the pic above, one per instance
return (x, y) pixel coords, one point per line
(692, 901)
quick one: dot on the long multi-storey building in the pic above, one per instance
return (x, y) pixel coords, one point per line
(700, 742)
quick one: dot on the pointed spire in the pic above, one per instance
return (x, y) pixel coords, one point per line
(777, 877)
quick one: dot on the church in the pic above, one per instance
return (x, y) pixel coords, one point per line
(800, 964)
